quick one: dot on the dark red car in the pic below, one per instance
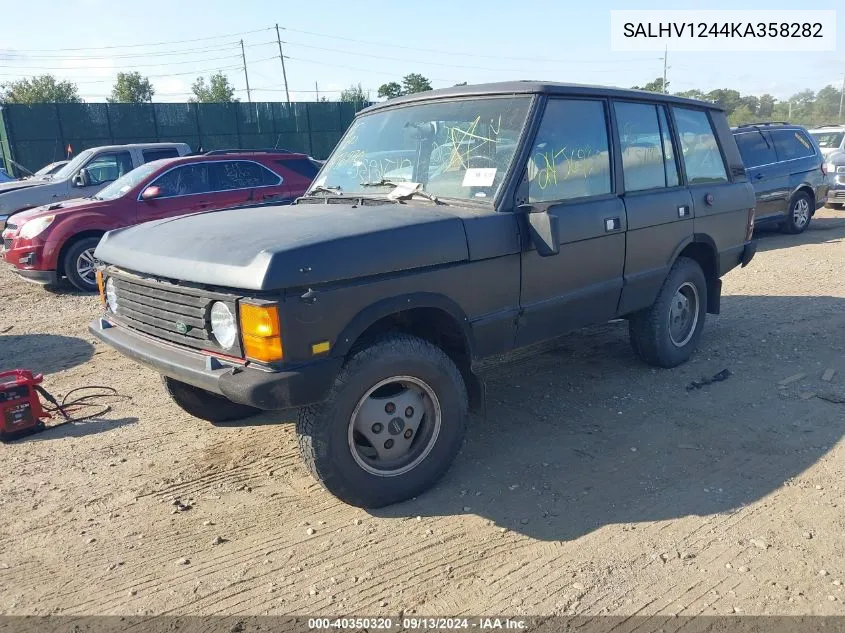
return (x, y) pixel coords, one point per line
(48, 243)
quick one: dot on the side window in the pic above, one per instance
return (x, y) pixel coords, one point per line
(641, 143)
(301, 166)
(184, 181)
(755, 148)
(240, 174)
(108, 167)
(157, 154)
(791, 144)
(570, 158)
(699, 149)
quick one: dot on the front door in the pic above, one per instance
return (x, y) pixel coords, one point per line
(569, 167)
(101, 170)
(184, 189)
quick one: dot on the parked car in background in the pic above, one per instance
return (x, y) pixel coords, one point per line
(372, 303)
(58, 240)
(83, 176)
(788, 171)
(49, 169)
(831, 138)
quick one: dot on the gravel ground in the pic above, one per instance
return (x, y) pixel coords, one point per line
(596, 485)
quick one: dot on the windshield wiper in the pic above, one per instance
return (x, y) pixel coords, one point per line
(421, 193)
(320, 188)
(384, 183)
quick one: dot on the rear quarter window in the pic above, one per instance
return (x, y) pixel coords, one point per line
(701, 155)
(301, 166)
(791, 144)
(756, 148)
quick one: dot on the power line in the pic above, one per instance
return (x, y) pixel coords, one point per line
(14, 57)
(461, 53)
(424, 62)
(122, 66)
(103, 48)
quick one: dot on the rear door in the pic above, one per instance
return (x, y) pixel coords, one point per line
(798, 163)
(760, 159)
(570, 168)
(184, 189)
(657, 204)
(715, 175)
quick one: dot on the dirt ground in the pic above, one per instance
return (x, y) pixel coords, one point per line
(596, 485)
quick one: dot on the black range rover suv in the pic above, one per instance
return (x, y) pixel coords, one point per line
(448, 230)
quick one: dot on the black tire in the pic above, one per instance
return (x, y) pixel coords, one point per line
(73, 255)
(799, 214)
(205, 405)
(649, 330)
(324, 429)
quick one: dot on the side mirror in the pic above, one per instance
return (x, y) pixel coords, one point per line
(543, 228)
(80, 179)
(151, 193)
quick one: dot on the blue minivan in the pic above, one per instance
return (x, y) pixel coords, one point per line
(785, 165)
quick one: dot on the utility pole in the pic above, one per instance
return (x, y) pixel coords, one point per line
(841, 95)
(665, 67)
(317, 89)
(282, 57)
(246, 76)
(790, 110)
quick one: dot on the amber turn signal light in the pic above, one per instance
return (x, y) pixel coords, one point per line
(99, 274)
(261, 332)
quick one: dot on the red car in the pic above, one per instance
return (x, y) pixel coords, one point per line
(48, 243)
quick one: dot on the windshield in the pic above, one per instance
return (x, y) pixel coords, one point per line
(826, 140)
(457, 149)
(127, 181)
(73, 166)
(49, 169)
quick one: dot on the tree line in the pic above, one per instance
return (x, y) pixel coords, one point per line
(806, 107)
(131, 87)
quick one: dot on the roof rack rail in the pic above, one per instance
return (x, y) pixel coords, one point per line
(830, 125)
(762, 123)
(220, 152)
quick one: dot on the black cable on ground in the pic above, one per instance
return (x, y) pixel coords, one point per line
(67, 407)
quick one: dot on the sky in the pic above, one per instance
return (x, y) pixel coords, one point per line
(332, 44)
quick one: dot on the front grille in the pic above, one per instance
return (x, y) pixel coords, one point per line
(837, 194)
(7, 244)
(162, 309)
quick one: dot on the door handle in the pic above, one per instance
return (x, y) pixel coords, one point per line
(683, 211)
(612, 224)
(758, 176)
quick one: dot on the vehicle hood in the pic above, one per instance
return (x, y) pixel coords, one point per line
(59, 209)
(276, 247)
(13, 185)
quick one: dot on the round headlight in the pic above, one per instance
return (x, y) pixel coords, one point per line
(223, 324)
(111, 295)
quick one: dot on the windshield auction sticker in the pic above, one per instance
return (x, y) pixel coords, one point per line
(714, 31)
(479, 177)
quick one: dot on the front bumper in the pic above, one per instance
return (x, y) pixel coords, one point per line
(260, 388)
(43, 277)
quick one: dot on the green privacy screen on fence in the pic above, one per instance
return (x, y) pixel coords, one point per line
(33, 135)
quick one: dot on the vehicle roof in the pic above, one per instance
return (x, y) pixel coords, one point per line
(539, 87)
(245, 155)
(131, 145)
(750, 127)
